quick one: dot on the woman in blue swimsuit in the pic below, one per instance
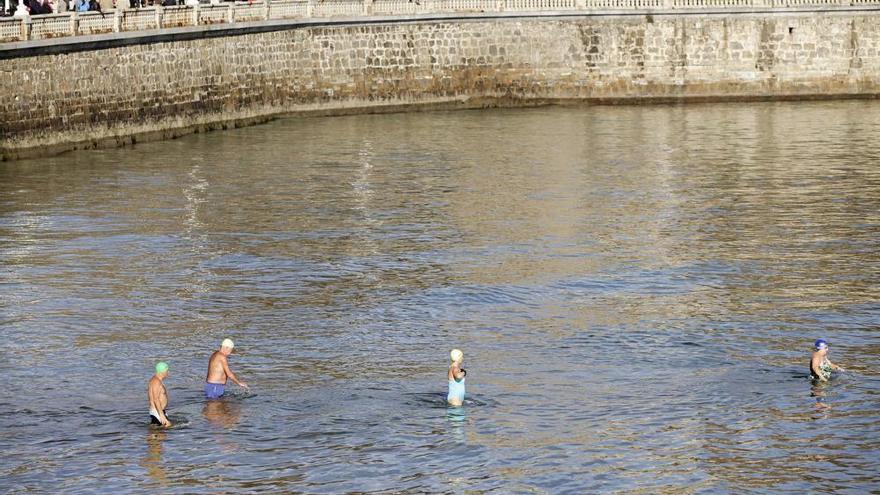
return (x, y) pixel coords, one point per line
(456, 374)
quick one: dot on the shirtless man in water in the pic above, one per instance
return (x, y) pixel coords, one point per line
(218, 371)
(158, 396)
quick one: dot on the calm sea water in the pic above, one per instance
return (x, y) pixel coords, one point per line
(636, 290)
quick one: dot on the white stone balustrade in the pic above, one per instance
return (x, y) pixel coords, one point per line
(24, 28)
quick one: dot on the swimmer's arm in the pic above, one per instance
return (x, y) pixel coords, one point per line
(163, 419)
(231, 375)
(835, 367)
(458, 373)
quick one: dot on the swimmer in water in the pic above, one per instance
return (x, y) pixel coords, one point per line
(456, 375)
(158, 396)
(218, 371)
(820, 366)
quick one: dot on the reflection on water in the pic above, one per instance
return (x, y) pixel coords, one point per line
(152, 462)
(222, 413)
(819, 392)
(456, 417)
(636, 289)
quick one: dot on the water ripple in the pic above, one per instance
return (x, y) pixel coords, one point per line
(635, 289)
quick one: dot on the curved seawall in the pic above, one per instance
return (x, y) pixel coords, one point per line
(121, 88)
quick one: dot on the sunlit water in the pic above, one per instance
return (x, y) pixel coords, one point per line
(636, 290)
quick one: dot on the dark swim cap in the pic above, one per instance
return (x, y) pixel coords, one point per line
(821, 344)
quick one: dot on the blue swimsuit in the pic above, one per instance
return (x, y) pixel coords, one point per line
(214, 390)
(456, 390)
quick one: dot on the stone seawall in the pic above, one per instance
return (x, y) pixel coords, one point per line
(163, 85)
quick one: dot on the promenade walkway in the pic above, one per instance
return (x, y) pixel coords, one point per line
(27, 28)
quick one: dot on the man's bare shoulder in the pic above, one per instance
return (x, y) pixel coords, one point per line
(216, 357)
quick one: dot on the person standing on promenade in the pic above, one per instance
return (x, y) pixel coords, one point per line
(456, 374)
(820, 366)
(158, 396)
(219, 372)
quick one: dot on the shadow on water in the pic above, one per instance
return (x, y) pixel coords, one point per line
(178, 420)
(238, 394)
(438, 400)
(225, 412)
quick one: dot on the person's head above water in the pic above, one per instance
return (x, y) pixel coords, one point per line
(456, 355)
(226, 346)
(821, 344)
(162, 368)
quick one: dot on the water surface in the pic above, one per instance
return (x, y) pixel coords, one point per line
(636, 290)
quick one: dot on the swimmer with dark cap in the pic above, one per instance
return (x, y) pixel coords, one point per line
(158, 396)
(820, 366)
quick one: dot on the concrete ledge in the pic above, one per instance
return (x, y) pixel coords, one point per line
(56, 46)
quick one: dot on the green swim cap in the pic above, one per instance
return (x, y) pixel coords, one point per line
(161, 367)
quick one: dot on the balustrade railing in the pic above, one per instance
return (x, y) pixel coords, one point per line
(137, 20)
(85, 23)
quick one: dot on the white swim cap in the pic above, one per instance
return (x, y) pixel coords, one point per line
(228, 343)
(456, 355)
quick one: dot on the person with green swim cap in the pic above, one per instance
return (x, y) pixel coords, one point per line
(158, 396)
